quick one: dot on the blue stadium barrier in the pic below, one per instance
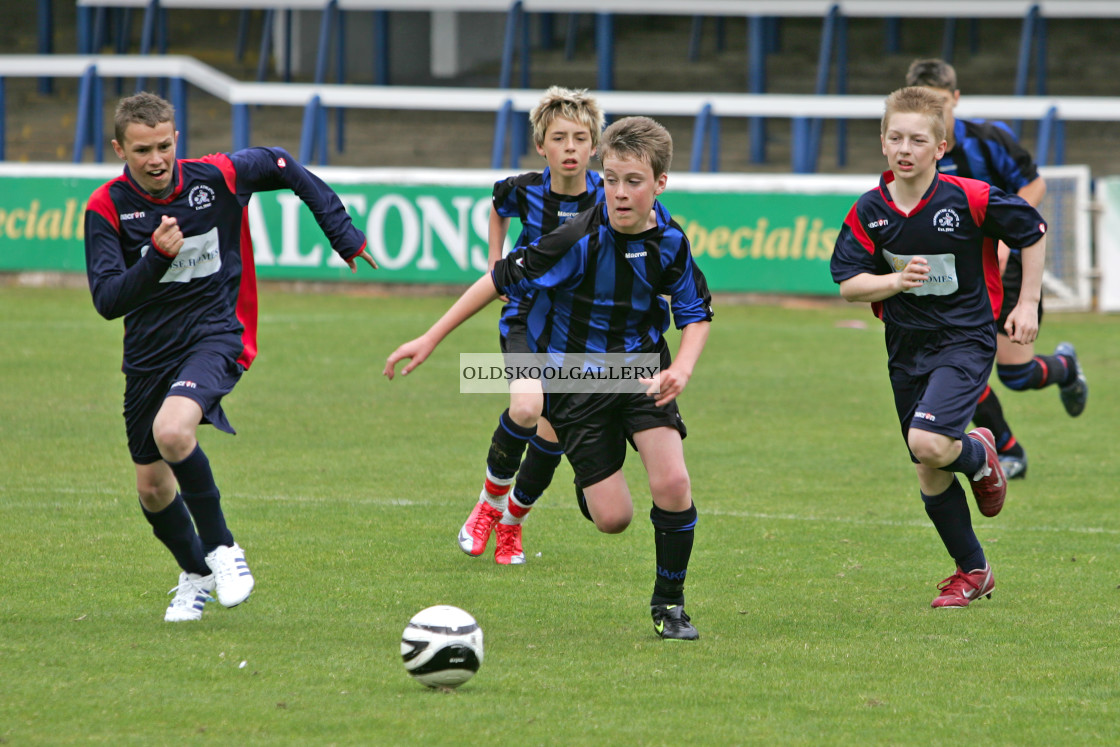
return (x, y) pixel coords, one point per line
(501, 134)
(46, 46)
(88, 129)
(511, 106)
(266, 43)
(763, 37)
(314, 138)
(241, 126)
(706, 128)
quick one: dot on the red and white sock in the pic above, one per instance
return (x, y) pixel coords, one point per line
(515, 512)
(496, 490)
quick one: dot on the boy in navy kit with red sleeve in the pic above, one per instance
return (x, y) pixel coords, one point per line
(988, 151)
(168, 248)
(921, 249)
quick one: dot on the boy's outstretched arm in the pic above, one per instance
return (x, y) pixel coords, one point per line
(672, 381)
(470, 303)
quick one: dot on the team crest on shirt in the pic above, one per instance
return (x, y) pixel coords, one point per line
(201, 197)
(946, 220)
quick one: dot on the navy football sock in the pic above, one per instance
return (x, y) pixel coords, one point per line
(507, 446)
(200, 493)
(173, 527)
(950, 516)
(972, 457)
(673, 533)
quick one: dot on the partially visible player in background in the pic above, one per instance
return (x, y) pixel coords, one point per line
(566, 126)
(921, 249)
(988, 151)
(167, 247)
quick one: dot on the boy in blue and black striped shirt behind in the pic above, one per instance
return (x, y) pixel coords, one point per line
(566, 127)
(607, 272)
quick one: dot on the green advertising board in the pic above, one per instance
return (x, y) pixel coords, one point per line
(748, 234)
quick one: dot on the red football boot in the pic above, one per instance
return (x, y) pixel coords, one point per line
(989, 485)
(961, 588)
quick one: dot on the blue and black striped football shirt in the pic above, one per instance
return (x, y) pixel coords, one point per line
(529, 197)
(988, 151)
(608, 289)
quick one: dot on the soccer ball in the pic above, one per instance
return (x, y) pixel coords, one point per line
(442, 646)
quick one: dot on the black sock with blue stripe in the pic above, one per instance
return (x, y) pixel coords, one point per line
(673, 533)
(535, 474)
(507, 446)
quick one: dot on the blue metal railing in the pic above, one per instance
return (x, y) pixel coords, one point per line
(88, 130)
(94, 29)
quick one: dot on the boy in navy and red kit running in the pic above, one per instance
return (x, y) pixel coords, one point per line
(566, 126)
(167, 247)
(921, 249)
(608, 272)
(988, 151)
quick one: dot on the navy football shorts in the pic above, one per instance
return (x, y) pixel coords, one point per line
(205, 377)
(938, 376)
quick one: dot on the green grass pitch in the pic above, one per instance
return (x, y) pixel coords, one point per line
(810, 582)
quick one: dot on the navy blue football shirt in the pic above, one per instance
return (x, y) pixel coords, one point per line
(208, 291)
(955, 228)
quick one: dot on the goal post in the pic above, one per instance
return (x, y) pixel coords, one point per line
(1067, 280)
